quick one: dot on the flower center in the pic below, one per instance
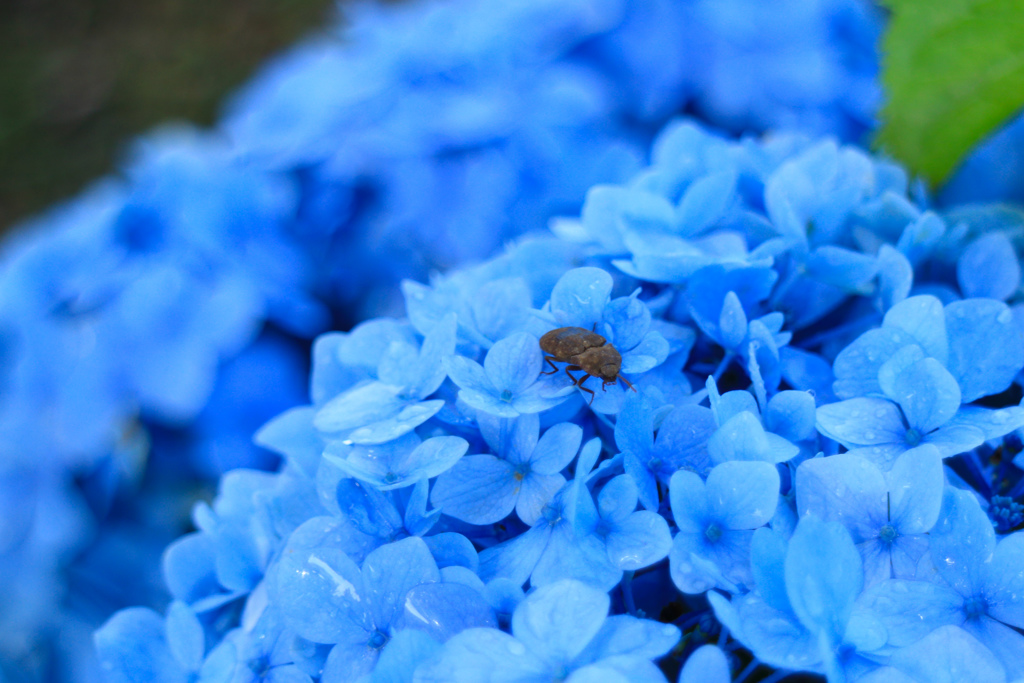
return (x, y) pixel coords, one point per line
(378, 639)
(975, 607)
(888, 534)
(913, 437)
(552, 514)
(713, 532)
(390, 478)
(506, 396)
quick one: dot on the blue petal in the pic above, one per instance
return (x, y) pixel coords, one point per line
(707, 664)
(689, 502)
(318, 588)
(390, 571)
(842, 268)
(443, 609)
(963, 541)
(537, 491)
(622, 634)
(895, 276)
(775, 637)
(416, 518)
(617, 499)
(558, 620)
(846, 489)
(403, 654)
(743, 438)
(767, 561)
(468, 375)
(856, 367)
(575, 556)
(743, 495)
(479, 489)
(451, 550)
(639, 541)
(928, 395)
(894, 367)
(1004, 581)
(915, 490)
(429, 459)
(988, 268)
(948, 655)
(910, 610)
(954, 438)
(992, 423)
(556, 448)
(131, 648)
(697, 565)
(365, 404)
(516, 558)
(704, 201)
(185, 637)
(1002, 641)
(514, 362)
(501, 307)
(683, 437)
(923, 318)
(649, 353)
(862, 422)
(292, 435)
(823, 576)
(407, 418)
(732, 322)
(986, 346)
(579, 297)
(543, 394)
(634, 428)
(644, 478)
(475, 655)
(790, 414)
(629, 319)
(730, 404)
(429, 372)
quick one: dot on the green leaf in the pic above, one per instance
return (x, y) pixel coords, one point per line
(953, 71)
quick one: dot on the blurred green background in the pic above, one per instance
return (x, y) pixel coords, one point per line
(80, 78)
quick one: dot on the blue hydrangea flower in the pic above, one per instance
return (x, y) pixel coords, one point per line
(560, 631)
(509, 383)
(716, 520)
(681, 443)
(524, 475)
(326, 598)
(975, 585)
(378, 411)
(886, 515)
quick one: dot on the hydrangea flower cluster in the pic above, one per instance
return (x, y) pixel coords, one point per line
(152, 324)
(816, 472)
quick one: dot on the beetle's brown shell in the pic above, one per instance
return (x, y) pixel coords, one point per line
(565, 342)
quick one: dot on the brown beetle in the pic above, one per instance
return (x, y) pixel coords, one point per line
(584, 350)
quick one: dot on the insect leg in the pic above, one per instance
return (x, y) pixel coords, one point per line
(627, 383)
(554, 368)
(575, 380)
(583, 388)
